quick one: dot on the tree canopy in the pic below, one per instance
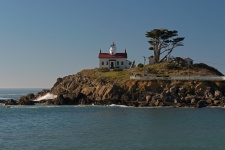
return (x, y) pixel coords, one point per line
(163, 41)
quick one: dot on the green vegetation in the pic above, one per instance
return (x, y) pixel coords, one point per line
(140, 65)
(178, 67)
(103, 69)
(163, 40)
(117, 69)
(107, 75)
(202, 65)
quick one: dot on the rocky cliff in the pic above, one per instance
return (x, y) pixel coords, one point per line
(85, 89)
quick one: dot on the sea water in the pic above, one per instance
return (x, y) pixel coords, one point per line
(15, 93)
(110, 128)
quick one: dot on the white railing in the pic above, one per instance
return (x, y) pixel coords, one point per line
(203, 78)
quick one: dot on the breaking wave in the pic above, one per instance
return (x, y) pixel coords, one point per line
(46, 96)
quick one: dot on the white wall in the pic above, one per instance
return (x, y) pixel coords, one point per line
(124, 60)
(105, 64)
(151, 60)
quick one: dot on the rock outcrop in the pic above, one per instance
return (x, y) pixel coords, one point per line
(26, 100)
(11, 102)
(87, 89)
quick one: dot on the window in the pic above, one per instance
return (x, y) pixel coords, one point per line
(117, 63)
(121, 62)
(103, 63)
(107, 63)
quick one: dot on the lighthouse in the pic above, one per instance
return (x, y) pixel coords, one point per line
(112, 59)
(112, 49)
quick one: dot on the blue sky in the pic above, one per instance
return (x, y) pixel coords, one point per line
(41, 40)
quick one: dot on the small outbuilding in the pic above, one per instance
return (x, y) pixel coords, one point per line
(188, 61)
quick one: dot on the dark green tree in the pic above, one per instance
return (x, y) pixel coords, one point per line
(140, 65)
(163, 41)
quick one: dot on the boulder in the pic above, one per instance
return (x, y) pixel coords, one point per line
(180, 105)
(182, 94)
(182, 90)
(209, 101)
(218, 94)
(26, 100)
(148, 98)
(167, 99)
(173, 89)
(143, 104)
(201, 103)
(175, 101)
(201, 88)
(135, 104)
(216, 102)
(163, 94)
(2, 100)
(125, 97)
(11, 102)
(193, 101)
(157, 103)
(208, 95)
(188, 99)
(162, 104)
(65, 100)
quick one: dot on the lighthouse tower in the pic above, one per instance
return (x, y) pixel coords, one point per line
(112, 49)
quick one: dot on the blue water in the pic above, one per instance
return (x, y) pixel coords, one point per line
(110, 128)
(15, 93)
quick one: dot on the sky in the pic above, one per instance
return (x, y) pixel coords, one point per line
(42, 40)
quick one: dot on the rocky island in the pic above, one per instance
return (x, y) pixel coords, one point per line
(105, 87)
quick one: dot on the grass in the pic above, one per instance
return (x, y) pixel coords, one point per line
(160, 69)
(174, 69)
(118, 75)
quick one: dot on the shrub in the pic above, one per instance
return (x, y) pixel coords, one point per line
(140, 65)
(117, 69)
(103, 69)
(205, 66)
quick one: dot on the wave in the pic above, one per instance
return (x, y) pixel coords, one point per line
(4, 98)
(115, 105)
(46, 96)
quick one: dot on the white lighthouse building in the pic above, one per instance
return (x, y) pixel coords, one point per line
(112, 59)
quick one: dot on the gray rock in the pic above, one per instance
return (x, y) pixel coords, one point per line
(216, 102)
(11, 102)
(173, 89)
(201, 103)
(182, 90)
(148, 98)
(193, 101)
(218, 94)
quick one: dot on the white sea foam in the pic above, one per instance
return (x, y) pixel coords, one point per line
(4, 98)
(115, 105)
(46, 96)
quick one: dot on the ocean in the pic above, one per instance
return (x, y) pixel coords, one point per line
(42, 127)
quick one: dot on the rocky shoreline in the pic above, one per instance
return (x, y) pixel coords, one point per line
(84, 90)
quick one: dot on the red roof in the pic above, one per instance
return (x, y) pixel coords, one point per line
(187, 59)
(117, 55)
